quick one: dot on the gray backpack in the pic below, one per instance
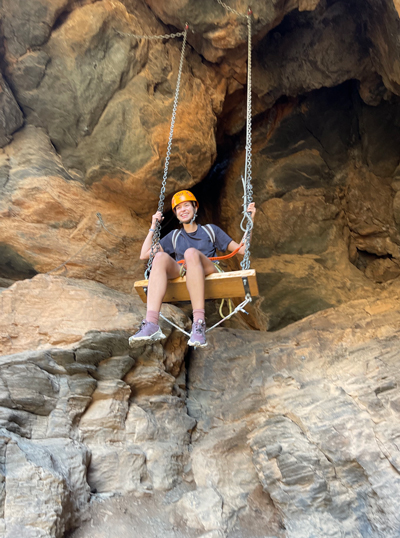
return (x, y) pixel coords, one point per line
(207, 228)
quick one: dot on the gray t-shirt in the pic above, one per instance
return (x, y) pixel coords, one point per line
(198, 239)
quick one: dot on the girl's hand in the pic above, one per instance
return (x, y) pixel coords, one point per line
(157, 217)
(252, 210)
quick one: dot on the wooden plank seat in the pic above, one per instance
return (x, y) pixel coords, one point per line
(217, 286)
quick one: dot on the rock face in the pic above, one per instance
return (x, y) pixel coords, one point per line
(96, 104)
(290, 434)
(308, 413)
(82, 411)
(326, 192)
(83, 84)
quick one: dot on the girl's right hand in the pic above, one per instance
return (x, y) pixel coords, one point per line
(157, 217)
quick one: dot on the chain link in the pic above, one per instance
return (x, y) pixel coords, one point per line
(101, 221)
(246, 224)
(228, 8)
(155, 245)
(247, 181)
(149, 37)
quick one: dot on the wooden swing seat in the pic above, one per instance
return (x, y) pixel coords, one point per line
(217, 286)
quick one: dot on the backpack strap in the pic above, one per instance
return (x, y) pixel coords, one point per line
(210, 232)
(175, 236)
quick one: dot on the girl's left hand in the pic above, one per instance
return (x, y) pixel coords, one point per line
(252, 210)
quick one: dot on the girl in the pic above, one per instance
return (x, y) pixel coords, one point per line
(195, 245)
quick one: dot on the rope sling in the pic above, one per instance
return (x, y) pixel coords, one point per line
(246, 224)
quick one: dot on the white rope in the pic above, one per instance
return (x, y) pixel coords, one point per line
(239, 308)
(173, 325)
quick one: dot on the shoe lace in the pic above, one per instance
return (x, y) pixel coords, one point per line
(199, 327)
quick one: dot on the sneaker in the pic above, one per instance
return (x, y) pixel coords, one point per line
(198, 336)
(148, 331)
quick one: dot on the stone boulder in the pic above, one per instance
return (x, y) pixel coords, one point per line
(220, 30)
(49, 311)
(48, 219)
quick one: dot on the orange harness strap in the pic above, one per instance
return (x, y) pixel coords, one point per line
(226, 257)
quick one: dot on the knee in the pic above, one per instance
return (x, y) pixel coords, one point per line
(192, 255)
(160, 259)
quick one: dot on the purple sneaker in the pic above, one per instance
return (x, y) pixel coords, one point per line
(148, 331)
(198, 336)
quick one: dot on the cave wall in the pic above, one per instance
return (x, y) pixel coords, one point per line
(306, 417)
(86, 122)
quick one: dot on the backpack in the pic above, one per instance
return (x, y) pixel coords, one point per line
(207, 228)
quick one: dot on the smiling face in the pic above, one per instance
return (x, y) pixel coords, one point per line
(184, 211)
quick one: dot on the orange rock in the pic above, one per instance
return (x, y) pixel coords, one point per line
(50, 311)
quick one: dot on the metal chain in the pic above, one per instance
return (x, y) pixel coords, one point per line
(247, 181)
(97, 230)
(101, 221)
(246, 224)
(100, 224)
(228, 8)
(149, 37)
(155, 246)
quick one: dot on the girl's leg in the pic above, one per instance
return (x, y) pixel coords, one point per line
(164, 267)
(197, 267)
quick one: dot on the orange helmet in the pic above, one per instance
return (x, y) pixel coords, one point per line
(183, 196)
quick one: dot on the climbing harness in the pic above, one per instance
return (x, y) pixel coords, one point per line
(247, 276)
(211, 234)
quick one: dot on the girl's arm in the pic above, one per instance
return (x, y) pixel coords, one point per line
(146, 247)
(233, 245)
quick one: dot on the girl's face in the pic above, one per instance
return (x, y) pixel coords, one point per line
(184, 211)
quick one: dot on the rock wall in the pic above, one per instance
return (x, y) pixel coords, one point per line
(80, 411)
(288, 434)
(91, 106)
